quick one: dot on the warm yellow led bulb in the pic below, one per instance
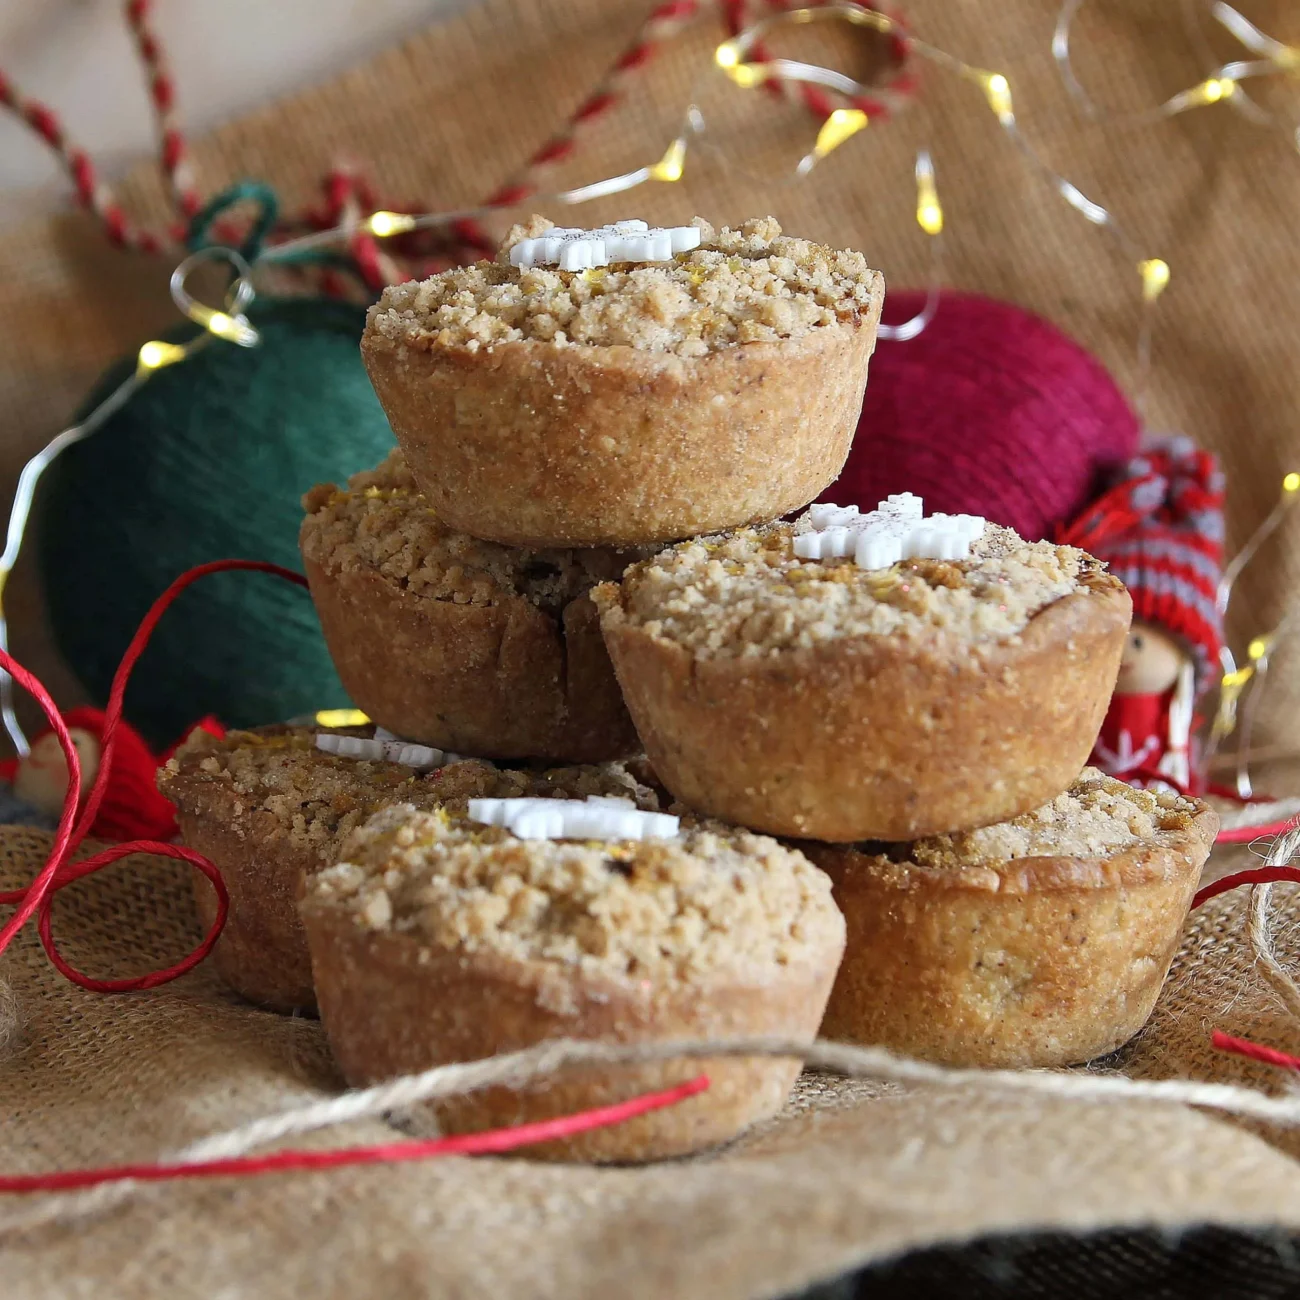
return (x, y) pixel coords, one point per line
(1213, 90)
(670, 166)
(929, 216)
(748, 75)
(840, 125)
(997, 90)
(384, 224)
(1155, 278)
(154, 355)
(234, 329)
(1291, 483)
(1258, 648)
(726, 55)
(341, 718)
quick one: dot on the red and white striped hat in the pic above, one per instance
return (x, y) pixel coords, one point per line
(1160, 529)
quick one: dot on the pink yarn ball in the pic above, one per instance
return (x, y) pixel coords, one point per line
(989, 411)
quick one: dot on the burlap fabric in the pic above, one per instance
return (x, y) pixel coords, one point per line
(448, 116)
(851, 1172)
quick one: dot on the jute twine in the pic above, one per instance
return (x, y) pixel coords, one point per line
(1285, 849)
(537, 1064)
(8, 1015)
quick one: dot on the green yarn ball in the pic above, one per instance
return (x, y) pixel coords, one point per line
(208, 461)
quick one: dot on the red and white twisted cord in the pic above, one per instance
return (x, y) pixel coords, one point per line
(173, 153)
(886, 100)
(349, 200)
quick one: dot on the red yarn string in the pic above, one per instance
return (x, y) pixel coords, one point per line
(58, 872)
(29, 899)
(113, 710)
(489, 1142)
(1244, 834)
(1259, 876)
(1255, 1051)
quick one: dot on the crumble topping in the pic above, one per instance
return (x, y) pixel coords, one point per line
(747, 594)
(314, 800)
(381, 521)
(1097, 817)
(748, 285)
(716, 899)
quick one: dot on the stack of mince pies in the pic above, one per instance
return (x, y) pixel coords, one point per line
(647, 759)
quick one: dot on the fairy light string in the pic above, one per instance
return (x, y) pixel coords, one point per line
(228, 322)
(1223, 85)
(1247, 679)
(741, 54)
(738, 59)
(1240, 685)
(1259, 654)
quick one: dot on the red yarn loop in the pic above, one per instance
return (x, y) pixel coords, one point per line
(97, 862)
(58, 872)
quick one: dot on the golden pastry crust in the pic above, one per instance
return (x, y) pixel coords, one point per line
(927, 728)
(438, 940)
(455, 642)
(1041, 942)
(687, 417)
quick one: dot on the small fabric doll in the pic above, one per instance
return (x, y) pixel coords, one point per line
(1160, 529)
(132, 808)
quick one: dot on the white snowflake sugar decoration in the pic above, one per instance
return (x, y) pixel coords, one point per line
(598, 817)
(386, 748)
(572, 249)
(895, 530)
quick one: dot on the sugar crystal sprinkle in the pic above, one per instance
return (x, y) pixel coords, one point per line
(574, 249)
(596, 818)
(386, 748)
(895, 530)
